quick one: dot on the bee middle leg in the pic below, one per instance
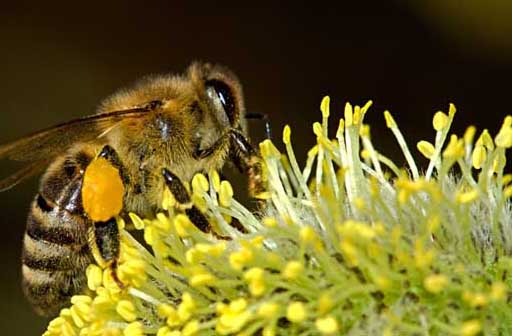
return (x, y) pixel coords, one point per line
(181, 195)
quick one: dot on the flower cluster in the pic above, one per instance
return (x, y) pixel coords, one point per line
(348, 244)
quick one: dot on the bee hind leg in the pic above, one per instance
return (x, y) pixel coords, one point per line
(110, 154)
(105, 246)
(104, 235)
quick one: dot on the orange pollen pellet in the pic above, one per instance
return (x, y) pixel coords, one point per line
(102, 191)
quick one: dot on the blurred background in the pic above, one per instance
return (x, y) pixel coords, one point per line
(58, 60)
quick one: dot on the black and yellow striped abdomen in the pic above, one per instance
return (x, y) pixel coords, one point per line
(55, 246)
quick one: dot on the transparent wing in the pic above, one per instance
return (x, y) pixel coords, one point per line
(23, 173)
(39, 148)
(54, 140)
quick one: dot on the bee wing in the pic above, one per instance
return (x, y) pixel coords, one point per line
(38, 149)
(23, 173)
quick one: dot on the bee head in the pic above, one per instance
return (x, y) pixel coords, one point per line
(190, 111)
(221, 91)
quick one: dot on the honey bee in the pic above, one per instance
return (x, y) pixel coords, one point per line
(143, 139)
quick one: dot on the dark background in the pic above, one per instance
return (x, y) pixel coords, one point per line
(57, 62)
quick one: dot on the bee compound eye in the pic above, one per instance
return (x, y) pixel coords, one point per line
(224, 95)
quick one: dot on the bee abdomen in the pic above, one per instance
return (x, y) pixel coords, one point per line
(49, 291)
(55, 246)
(44, 255)
(49, 223)
(55, 255)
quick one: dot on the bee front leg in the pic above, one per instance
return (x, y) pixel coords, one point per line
(243, 155)
(248, 161)
(265, 119)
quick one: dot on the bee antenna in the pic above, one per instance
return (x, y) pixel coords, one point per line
(264, 117)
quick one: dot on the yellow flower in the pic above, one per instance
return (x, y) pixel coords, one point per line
(268, 310)
(435, 283)
(225, 194)
(126, 310)
(470, 328)
(340, 241)
(327, 325)
(134, 329)
(325, 303)
(440, 121)
(292, 270)
(426, 148)
(296, 312)
(191, 328)
(240, 258)
(233, 317)
(255, 278)
(498, 291)
(94, 277)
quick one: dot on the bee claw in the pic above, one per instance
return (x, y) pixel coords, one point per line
(113, 272)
